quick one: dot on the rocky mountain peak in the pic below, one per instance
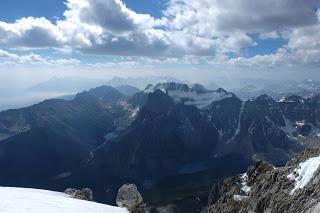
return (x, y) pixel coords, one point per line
(104, 93)
(264, 188)
(196, 95)
(221, 90)
(198, 88)
(172, 86)
(292, 98)
(265, 97)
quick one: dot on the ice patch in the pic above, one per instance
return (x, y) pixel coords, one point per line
(304, 173)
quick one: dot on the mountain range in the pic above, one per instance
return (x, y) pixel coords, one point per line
(171, 139)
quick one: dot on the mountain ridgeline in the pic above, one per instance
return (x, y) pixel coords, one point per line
(163, 138)
(265, 188)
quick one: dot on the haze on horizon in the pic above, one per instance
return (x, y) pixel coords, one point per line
(194, 41)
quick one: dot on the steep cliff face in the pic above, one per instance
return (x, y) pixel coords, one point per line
(264, 188)
(47, 140)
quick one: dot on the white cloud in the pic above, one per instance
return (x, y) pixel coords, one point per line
(269, 35)
(235, 42)
(30, 32)
(187, 29)
(72, 62)
(303, 48)
(34, 59)
(213, 17)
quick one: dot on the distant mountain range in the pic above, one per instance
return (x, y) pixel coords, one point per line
(75, 85)
(277, 90)
(169, 138)
(68, 87)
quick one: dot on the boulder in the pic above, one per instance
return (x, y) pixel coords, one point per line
(129, 197)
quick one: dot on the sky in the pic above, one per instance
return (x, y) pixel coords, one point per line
(193, 40)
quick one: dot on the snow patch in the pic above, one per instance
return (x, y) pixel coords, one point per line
(239, 198)
(282, 99)
(245, 188)
(304, 173)
(300, 123)
(22, 200)
(134, 112)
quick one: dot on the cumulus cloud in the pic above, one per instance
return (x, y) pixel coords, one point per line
(214, 17)
(15, 59)
(303, 48)
(187, 28)
(30, 32)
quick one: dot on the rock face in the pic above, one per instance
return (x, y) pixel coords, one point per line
(129, 197)
(83, 194)
(264, 188)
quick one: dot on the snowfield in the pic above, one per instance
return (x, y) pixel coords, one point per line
(22, 200)
(200, 100)
(304, 173)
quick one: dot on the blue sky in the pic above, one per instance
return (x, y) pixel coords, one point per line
(165, 36)
(12, 10)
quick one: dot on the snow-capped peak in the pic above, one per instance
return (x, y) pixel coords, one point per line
(196, 95)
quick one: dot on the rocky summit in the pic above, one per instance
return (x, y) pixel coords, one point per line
(264, 188)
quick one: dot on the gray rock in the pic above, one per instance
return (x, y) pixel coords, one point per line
(83, 194)
(129, 197)
(270, 190)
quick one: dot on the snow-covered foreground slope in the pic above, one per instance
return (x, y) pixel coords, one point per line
(21, 200)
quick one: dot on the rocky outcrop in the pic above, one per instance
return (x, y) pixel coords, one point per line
(264, 188)
(130, 198)
(83, 194)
